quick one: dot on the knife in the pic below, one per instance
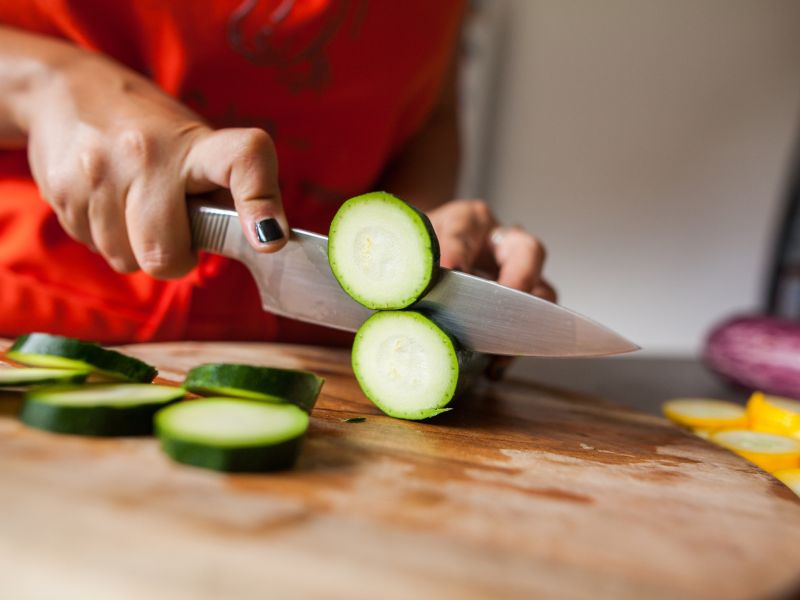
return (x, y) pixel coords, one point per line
(484, 316)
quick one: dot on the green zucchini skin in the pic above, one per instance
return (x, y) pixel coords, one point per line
(32, 348)
(471, 367)
(433, 250)
(22, 377)
(232, 434)
(467, 367)
(96, 420)
(251, 382)
(100, 421)
(232, 460)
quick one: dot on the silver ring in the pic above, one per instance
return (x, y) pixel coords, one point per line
(497, 234)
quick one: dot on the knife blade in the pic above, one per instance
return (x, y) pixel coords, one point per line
(482, 315)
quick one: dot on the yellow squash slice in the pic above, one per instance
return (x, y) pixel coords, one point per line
(790, 477)
(705, 413)
(773, 414)
(769, 451)
(703, 432)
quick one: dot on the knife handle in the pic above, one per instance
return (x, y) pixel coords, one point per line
(215, 229)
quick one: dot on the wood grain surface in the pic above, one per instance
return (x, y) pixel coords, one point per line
(521, 492)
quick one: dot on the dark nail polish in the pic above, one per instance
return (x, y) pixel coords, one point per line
(268, 230)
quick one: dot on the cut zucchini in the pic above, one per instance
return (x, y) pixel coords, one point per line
(57, 352)
(768, 451)
(35, 376)
(226, 434)
(266, 384)
(97, 409)
(705, 413)
(382, 251)
(408, 366)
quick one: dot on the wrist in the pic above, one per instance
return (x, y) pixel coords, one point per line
(29, 63)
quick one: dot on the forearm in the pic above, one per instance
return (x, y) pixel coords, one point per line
(26, 62)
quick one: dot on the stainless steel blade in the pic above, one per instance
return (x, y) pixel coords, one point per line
(484, 316)
(488, 317)
(295, 282)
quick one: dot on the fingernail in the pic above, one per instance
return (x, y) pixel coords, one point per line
(268, 230)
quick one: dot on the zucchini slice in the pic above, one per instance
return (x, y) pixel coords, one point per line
(35, 376)
(227, 434)
(408, 366)
(57, 352)
(382, 251)
(250, 382)
(97, 409)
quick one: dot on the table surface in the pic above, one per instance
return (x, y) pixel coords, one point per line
(640, 381)
(521, 491)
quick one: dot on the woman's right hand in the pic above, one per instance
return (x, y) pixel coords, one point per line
(116, 157)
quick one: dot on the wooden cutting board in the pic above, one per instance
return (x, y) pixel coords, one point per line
(521, 492)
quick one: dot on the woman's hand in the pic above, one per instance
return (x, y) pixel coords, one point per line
(471, 240)
(116, 157)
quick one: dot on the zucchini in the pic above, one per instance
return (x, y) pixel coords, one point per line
(382, 251)
(250, 382)
(97, 409)
(408, 366)
(35, 376)
(57, 352)
(228, 434)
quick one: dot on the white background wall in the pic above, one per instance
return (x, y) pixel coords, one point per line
(647, 142)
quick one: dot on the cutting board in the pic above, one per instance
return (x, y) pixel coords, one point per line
(521, 491)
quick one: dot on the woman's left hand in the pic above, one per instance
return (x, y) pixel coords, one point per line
(471, 240)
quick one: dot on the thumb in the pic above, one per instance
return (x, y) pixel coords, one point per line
(457, 252)
(245, 162)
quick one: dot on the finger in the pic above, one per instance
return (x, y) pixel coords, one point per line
(109, 231)
(520, 258)
(458, 252)
(158, 227)
(462, 239)
(69, 200)
(244, 161)
(74, 219)
(544, 290)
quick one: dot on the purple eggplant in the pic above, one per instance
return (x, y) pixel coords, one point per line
(757, 352)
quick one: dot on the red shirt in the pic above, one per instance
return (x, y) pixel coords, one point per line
(339, 84)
